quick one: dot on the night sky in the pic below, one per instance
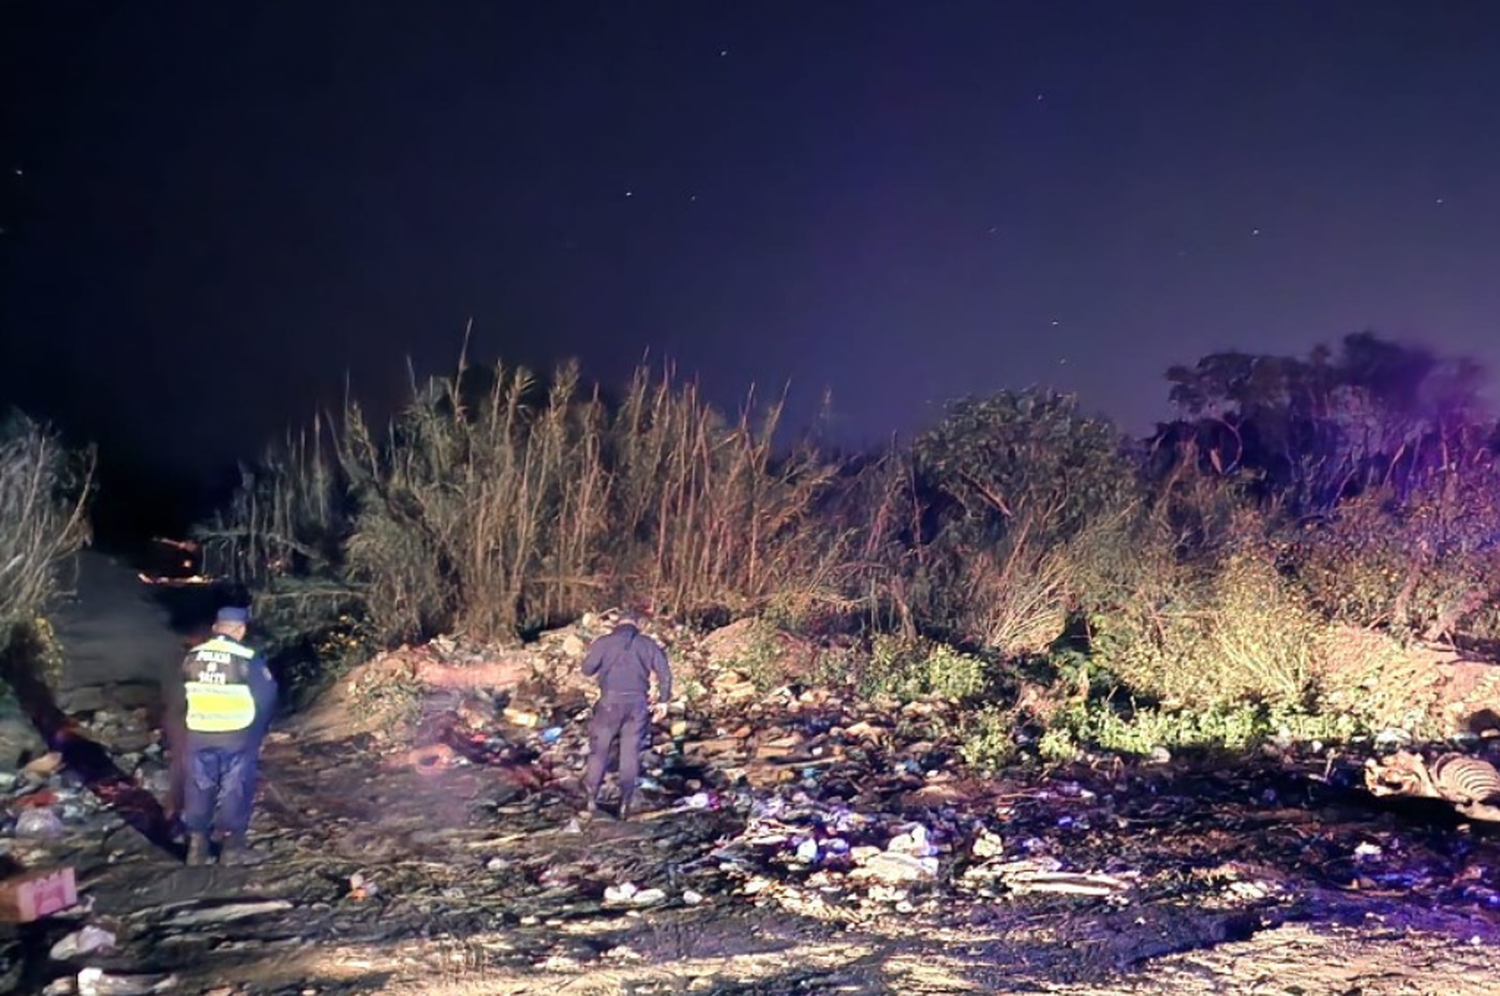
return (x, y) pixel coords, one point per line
(212, 212)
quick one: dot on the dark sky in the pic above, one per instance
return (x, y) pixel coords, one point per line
(214, 211)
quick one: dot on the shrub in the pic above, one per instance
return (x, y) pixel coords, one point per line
(762, 655)
(1220, 635)
(987, 738)
(907, 669)
(1227, 726)
(1005, 486)
(1420, 565)
(496, 504)
(44, 494)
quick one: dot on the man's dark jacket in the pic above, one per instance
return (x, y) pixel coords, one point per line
(624, 661)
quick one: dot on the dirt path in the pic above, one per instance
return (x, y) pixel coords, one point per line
(120, 638)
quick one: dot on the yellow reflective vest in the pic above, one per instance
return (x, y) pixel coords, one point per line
(218, 696)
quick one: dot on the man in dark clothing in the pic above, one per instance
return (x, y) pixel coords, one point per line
(230, 696)
(623, 662)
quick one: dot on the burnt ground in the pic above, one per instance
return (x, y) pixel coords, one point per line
(1265, 874)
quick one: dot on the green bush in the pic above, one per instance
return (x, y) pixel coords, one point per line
(987, 738)
(1006, 486)
(763, 657)
(1140, 731)
(1232, 633)
(907, 670)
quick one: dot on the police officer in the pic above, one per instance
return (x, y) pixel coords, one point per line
(229, 698)
(623, 661)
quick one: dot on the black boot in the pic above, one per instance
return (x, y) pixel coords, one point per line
(197, 854)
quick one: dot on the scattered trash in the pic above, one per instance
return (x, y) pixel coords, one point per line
(521, 717)
(824, 804)
(28, 896)
(988, 845)
(626, 894)
(1021, 877)
(361, 888)
(699, 801)
(895, 866)
(44, 767)
(95, 982)
(38, 823)
(81, 942)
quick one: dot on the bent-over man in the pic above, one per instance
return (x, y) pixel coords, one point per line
(230, 696)
(623, 661)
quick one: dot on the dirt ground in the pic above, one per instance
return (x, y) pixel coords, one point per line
(385, 879)
(1252, 875)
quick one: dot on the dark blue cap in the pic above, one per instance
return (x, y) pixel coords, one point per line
(232, 614)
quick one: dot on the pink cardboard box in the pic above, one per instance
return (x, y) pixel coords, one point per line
(33, 895)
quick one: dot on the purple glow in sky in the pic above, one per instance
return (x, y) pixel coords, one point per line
(902, 202)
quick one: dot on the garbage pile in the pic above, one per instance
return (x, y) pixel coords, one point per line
(46, 809)
(846, 809)
(44, 801)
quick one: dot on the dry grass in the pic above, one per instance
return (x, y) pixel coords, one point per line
(498, 502)
(1229, 635)
(44, 491)
(489, 508)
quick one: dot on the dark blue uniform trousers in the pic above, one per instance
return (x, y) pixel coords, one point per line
(626, 718)
(220, 789)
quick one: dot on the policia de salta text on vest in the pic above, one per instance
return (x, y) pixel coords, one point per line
(229, 698)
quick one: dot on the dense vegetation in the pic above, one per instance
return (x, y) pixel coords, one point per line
(1022, 554)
